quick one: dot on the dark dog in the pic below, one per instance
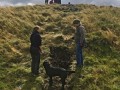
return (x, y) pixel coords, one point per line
(56, 71)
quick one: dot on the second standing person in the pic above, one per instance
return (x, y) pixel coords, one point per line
(79, 41)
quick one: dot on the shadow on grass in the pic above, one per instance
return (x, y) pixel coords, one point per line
(33, 83)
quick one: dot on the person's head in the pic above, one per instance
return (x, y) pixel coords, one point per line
(76, 22)
(36, 28)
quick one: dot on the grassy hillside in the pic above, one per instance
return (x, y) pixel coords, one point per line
(101, 56)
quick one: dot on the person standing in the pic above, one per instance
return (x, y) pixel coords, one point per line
(51, 2)
(35, 50)
(46, 1)
(79, 37)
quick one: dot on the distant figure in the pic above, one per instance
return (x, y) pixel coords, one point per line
(69, 3)
(57, 1)
(46, 1)
(35, 50)
(51, 2)
(79, 37)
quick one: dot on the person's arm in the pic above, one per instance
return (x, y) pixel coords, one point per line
(39, 41)
(40, 44)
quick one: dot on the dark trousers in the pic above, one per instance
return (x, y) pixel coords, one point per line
(35, 54)
(79, 56)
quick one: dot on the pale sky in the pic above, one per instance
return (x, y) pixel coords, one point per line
(32, 2)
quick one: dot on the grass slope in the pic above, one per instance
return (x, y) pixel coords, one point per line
(101, 56)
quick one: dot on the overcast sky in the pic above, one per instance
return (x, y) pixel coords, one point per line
(32, 2)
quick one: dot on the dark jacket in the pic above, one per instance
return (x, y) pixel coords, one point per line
(35, 40)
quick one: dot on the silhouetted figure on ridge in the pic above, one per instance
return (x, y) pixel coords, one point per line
(57, 1)
(51, 2)
(69, 3)
(46, 1)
